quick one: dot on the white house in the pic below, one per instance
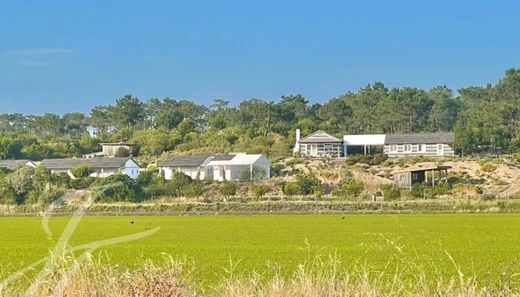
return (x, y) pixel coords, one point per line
(318, 144)
(194, 166)
(218, 167)
(419, 144)
(242, 166)
(103, 167)
(321, 144)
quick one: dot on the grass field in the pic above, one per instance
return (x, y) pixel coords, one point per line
(484, 245)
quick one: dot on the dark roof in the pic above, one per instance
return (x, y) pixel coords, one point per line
(319, 137)
(183, 161)
(13, 164)
(420, 138)
(107, 162)
(435, 168)
(118, 143)
(223, 157)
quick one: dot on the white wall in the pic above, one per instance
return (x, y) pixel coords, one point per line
(131, 169)
(192, 172)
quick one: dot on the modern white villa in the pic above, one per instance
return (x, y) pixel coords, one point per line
(238, 166)
(103, 167)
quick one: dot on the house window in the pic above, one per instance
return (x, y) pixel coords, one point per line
(393, 148)
(407, 147)
(420, 147)
(440, 149)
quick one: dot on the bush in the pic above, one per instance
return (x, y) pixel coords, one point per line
(350, 189)
(391, 193)
(306, 182)
(81, 183)
(122, 152)
(488, 197)
(227, 189)
(424, 190)
(195, 189)
(318, 191)
(82, 171)
(290, 189)
(488, 167)
(376, 159)
(259, 190)
(124, 191)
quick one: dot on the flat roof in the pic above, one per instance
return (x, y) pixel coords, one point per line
(440, 167)
(366, 139)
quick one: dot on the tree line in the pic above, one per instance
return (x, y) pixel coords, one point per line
(482, 117)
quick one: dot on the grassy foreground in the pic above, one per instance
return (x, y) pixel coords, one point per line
(412, 253)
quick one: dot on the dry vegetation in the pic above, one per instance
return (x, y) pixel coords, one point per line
(318, 277)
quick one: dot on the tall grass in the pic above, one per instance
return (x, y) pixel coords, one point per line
(318, 276)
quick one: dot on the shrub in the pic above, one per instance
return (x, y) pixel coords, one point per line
(424, 190)
(488, 167)
(82, 171)
(124, 191)
(259, 190)
(290, 189)
(122, 152)
(227, 189)
(81, 183)
(318, 191)
(350, 189)
(390, 192)
(488, 197)
(306, 182)
(195, 189)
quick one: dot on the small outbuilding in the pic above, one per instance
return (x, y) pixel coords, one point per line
(430, 176)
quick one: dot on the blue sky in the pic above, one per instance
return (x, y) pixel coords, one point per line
(59, 56)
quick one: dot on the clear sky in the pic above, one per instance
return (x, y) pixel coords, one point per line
(59, 56)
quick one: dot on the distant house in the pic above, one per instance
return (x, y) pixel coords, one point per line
(430, 176)
(240, 167)
(112, 149)
(217, 167)
(94, 132)
(193, 166)
(103, 167)
(318, 144)
(14, 164)
(419, 144)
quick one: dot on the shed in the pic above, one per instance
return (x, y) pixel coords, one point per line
(411, 177)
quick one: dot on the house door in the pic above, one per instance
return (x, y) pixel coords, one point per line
(440, 149)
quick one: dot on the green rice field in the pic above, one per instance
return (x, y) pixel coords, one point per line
(484, 245)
